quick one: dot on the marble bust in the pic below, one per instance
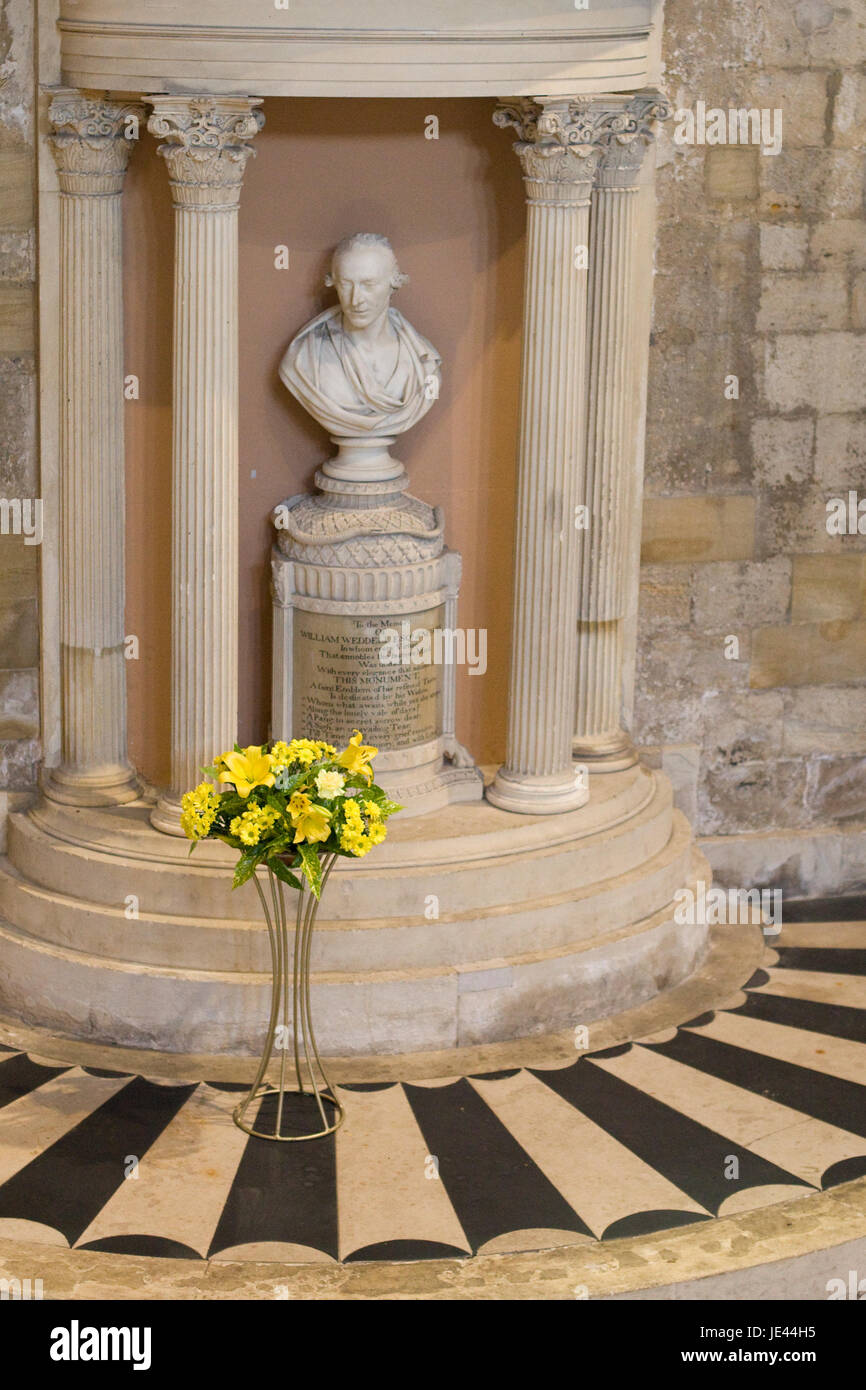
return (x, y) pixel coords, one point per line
(360, 369)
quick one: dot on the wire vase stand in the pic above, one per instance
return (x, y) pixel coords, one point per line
(302, 1104)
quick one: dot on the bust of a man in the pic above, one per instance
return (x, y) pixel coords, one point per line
(359, 368)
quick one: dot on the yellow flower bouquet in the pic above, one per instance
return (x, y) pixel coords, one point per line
(289, 805)
(291, 808)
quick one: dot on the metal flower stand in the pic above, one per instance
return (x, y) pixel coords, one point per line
(295, 1107)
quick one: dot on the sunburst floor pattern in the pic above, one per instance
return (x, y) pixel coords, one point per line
(732, 1110)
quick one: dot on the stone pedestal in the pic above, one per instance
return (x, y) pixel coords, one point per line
(365, 616)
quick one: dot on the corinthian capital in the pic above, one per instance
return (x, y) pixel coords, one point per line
(627, 126)
(557, 141)
(92, 138)
(564, 139)
(205, 145)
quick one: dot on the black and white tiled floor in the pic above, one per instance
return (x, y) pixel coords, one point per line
(733, 1110)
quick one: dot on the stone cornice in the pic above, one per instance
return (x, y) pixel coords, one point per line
(346, 49)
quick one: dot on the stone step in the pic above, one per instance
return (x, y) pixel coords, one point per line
(378, 1011)
(550, 921)
(472, 857)
(126, 830)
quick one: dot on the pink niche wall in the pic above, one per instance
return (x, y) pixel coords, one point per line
(453, 208)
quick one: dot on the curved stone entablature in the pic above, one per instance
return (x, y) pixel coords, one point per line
(416, 48)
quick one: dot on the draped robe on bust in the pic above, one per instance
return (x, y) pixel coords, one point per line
(329, 376)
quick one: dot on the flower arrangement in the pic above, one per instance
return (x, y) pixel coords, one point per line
(288, 804)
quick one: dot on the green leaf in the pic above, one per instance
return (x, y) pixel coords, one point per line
(248, 863)
(311, 868)
(246, 867)
(376, 794)
(277, 803)
(354, 779)
(232, 841)
(277, 866)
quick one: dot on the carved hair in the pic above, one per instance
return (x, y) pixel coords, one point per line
(367, 239)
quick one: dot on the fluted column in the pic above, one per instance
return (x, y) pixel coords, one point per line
(91, 142)
(625, 126)
(559, 156)
(206, 147)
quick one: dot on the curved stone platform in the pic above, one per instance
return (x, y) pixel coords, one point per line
(605, 1175)
(468, 926)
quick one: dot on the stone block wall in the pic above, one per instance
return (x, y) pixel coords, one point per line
(19, 473)
(751, 679)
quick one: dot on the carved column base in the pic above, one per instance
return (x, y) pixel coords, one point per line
(599, 739)
(95, 786)
(165, 815)
(606, 752)
(533, 795)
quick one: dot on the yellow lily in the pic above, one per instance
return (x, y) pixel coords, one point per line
(312, 824)
(299, 803)
(356, 758)
(251, 768)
